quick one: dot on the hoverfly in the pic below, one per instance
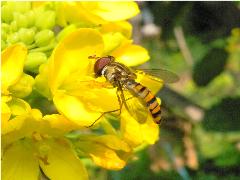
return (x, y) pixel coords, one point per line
(124, 78)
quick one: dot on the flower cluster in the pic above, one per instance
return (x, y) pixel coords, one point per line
(45, 49)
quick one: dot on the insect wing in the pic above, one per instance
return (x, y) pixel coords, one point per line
(159, 75)
(136, 108)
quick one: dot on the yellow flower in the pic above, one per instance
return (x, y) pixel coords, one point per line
(95, 12)
(30, 141)
(14, 81)
(106, 150)
(76, 93)
(22, 149)
(12, 65)
(136, 133)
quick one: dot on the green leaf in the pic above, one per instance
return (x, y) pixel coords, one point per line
(224, 116)
(209, 67)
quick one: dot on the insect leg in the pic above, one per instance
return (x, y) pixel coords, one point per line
(122, 95)
(119, 101)
(101, 117)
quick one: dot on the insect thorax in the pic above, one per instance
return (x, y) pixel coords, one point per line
(116, 72)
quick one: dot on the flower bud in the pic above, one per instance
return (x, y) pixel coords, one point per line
(5, 27)
(3, 34)
(43, 37)
(21, 20)
(3, 44)
(13, 38)
(4, 3)
(26, 35)
(67, 30)
(45, 19)
(23, 87)
(30, 16)
(34, 60)
(7, 13)
(22, 7)
(13, 26)
(46, 49)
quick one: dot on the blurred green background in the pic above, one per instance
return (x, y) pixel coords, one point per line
(200, 133)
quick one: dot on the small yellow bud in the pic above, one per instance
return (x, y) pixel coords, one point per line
(44, 37)
(21, 20)
(5, 27)
(23, 87)
(3, 34)
(30, 16)
(22, 7)
(3, 44)
(13, 38)
(34, 60)
(13, 26)
(7, 13)
(26, 35)
(45, 20)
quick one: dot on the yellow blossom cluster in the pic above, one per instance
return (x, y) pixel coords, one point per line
(54, 144)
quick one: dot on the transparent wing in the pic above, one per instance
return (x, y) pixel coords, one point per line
(159, 75)
(135, 107)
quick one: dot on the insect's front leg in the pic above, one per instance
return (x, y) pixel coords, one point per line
(122, 97)
(119, 101)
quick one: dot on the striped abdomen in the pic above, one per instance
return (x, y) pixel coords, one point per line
(149, 99)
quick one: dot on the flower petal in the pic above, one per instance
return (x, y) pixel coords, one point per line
(58, 125)
(131, 55)
(89, 90)
(18, 106)
(13, 59)
(136, 133)
(150, 131)
(74, 12)
(153, 85)
(20, 127)
(74, 109)
(111, 141)
(63, 163)
(41, 81)
(112, 41)
(24, 121)
(23, 87)
(19, 162)
(123, 27)
(130, 129)
(112, 11)
(5, 113)
(102, 155)
(72, 54)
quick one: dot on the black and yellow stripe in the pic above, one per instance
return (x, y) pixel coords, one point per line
(147, 96)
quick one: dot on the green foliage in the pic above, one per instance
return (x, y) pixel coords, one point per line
(218, 117)
(211, 81)
(230, 157)
(209, 67)
(140, 169)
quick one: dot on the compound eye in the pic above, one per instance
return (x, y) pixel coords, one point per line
(100, 64)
